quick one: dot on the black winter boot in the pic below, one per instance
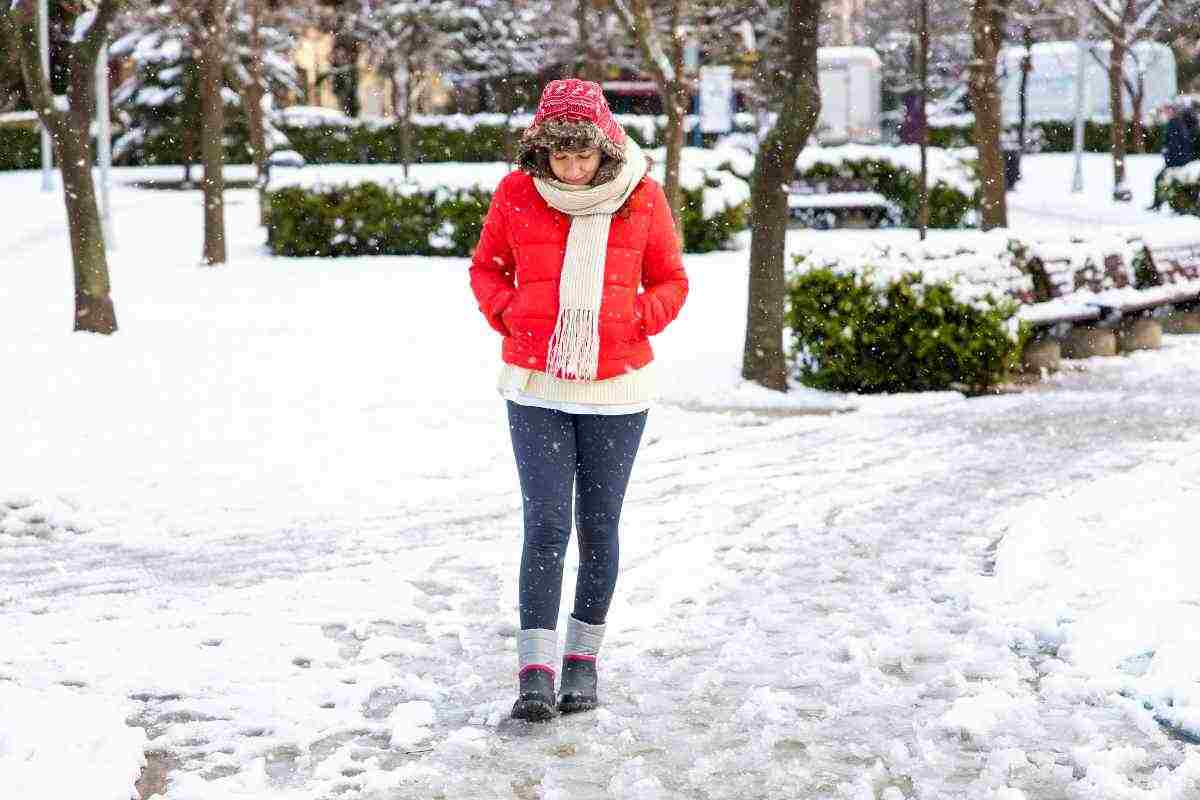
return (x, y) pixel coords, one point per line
(535, 702)
(577, 691)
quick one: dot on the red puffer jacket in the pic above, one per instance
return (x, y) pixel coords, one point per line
(516, 267)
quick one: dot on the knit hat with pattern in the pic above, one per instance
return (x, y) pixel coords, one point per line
(572, 115)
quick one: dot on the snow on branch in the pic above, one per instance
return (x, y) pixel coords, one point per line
(1110, 10)
(1146, 17)
(641, 25)
(83, 24)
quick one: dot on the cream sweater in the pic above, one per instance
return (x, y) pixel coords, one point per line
(630, 393)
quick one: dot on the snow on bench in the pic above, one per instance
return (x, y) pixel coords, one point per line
(1095, 281)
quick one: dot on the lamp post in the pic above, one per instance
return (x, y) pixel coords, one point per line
(104, 144)
(1080, 77)
(44, 51)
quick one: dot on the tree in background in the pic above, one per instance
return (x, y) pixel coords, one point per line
(890, 28)
(211, 30)
(788, 75)
(987, 34)
(159, 102)
(591, 33)
(12, 88)
(1124, 22)
(404, 39)
(70, 132)
(507, 46)
(660, 36)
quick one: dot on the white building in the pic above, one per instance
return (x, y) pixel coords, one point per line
(1051, 92)
(851, 94)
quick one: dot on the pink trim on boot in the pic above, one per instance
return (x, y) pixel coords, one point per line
(542, 667)
(580, 657)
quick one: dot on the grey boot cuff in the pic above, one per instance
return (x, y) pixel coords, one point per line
(537, 646)
(583, 639)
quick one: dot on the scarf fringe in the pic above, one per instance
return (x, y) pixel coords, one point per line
(575, 345)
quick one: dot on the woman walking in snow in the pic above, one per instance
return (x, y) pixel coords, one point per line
(567, 242)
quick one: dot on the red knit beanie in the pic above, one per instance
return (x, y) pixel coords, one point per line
(579, 100)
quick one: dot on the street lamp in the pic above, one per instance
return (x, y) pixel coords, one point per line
(44, 52)
(1080, 77)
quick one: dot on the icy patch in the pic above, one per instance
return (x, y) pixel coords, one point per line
(410, 723)
(1104, 580)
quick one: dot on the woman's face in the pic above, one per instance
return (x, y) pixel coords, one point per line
(576, 167)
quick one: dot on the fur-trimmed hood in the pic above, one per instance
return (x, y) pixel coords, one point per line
(539, 141)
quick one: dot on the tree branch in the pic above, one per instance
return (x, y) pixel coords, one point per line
(637, 18)
(1145, 18)
(89, 49)
(18, 24)
(1108, 15)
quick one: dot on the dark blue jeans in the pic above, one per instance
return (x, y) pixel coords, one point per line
(554, 450)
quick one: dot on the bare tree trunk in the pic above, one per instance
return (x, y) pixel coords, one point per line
(676, 110)
(70, 132)
(795, 82)
(212, 46)
(666, 65)
(587, 22)
(403, 96)
(252, 99)
(1137, 95)
(986, 32)
(1116, 79)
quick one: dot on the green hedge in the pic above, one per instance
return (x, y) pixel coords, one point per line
(361, 144)
(1052, 137)
(1183, 195)
(369, 219)
(20, 147)
(948, 207)
(850, 334)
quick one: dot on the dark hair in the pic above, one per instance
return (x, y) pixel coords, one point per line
(533, 154)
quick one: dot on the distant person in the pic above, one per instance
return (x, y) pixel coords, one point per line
(1179, 145)
(913, 125)
(577, 266)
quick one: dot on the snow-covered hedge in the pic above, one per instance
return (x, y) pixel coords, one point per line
(360, 216)
(1181, 188)
(373, 219)
(894, 172)
(896, 328)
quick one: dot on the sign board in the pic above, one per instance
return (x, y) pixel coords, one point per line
(716, 99)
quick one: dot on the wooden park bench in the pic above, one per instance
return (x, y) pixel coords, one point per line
(838, 202)
(1097, 309)
(1176, 266)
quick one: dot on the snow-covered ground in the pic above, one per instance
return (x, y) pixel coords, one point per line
(274, 522)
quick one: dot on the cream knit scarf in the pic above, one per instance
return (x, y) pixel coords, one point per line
(575, 345)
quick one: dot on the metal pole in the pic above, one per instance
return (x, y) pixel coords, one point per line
(104, 144)
(44, 50)
(1080, 79)
(923, 72)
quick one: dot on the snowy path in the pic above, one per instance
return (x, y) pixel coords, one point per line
(284, 548)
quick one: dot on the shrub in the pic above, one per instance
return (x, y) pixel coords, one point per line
(1181, 189)
(949, 207)
(726, 214)
(1052, 137)
(20, 147)
(854, 333)
(370, 219)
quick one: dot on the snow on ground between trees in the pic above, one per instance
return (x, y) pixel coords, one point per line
(296, 569)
